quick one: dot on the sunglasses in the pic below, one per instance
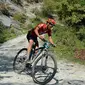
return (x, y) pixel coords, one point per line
(51, 24)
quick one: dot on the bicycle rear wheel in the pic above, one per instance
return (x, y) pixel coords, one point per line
(44, 69)
(18, 64)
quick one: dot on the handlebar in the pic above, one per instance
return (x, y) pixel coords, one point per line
(47, 44)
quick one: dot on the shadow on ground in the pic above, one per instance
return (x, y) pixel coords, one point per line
(65, 82)
(6, 63)
(72, 82)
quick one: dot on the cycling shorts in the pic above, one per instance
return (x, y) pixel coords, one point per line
(30, 36)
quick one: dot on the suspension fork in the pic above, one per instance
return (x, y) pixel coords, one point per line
(44, 58)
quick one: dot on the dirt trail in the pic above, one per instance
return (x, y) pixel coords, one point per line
(68, 73)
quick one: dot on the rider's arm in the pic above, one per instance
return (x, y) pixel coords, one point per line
(50, 36)
(50, 40)
(37, 33)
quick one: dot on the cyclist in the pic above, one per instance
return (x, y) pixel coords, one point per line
(40, 29)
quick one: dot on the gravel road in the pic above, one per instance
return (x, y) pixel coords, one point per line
(68, 73)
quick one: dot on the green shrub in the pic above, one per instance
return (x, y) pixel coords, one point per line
(81, 34)
(37, 1)
(70, 12)
(49, 6)
(4, 8)
(35, 21)
(17, 2)
(20, 17)
(6, 33)
(67, 41)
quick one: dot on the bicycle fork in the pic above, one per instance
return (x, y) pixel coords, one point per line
(44, 61)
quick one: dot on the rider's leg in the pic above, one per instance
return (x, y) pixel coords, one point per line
(29, 48)
(36, 44)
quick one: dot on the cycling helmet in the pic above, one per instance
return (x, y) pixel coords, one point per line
(51, 21)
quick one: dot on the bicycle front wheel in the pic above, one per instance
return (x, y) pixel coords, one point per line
(44, 69)
(18, 64)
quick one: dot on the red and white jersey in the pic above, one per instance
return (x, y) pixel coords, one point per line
(42, 29)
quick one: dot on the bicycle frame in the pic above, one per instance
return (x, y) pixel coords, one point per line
(36, 54)
(44, 47)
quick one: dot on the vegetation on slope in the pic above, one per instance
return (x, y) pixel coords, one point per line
(71, 35)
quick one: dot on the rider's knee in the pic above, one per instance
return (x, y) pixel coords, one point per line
(31, 42)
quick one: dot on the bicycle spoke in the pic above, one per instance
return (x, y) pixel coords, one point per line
(19, 64)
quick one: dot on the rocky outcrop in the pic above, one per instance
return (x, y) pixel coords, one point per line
(9, 8)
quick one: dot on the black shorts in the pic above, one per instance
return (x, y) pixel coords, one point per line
(30, 36)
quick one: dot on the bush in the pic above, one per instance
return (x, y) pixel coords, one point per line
(20, 17)
(67, 41)
(81, 34)
(49, 6)
(37, 1)
(4, 8)
(6, 33)
(70, 12)
(35, 21)
(18, 2)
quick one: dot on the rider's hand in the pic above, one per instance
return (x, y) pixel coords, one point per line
(53, 45)
(42, 38)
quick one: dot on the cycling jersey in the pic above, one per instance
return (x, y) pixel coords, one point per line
(42, 30)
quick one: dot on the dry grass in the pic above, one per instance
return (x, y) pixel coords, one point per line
(3, 6)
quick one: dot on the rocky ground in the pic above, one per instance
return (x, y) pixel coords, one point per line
(68, 73)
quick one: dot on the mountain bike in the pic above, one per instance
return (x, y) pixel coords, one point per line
(42, 63)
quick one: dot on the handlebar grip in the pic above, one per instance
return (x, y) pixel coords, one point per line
(53, 45)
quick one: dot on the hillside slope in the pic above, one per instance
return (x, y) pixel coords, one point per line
(15, 18)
